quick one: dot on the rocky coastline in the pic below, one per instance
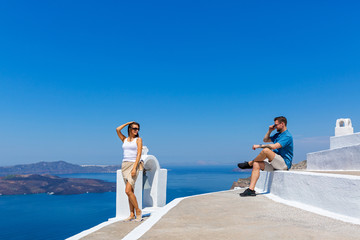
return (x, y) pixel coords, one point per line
(58, 167)
(44, 183)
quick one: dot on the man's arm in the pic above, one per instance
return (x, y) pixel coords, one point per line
(267, 135)
(270, 146)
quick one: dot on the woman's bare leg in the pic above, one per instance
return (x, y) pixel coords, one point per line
(132, 200)
(132, 213)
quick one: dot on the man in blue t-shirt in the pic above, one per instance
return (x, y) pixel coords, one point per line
(273, 156)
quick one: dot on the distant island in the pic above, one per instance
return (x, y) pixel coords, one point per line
(35, 183)
(58, 167)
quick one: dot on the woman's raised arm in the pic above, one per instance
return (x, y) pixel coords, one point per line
(118, 131)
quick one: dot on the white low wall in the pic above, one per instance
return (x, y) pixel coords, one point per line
(335, 193)
(345, 158)
(344, 141)
(122, 202)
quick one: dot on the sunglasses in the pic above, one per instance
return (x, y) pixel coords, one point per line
(136, 129)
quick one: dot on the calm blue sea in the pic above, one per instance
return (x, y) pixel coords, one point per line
(42, 216)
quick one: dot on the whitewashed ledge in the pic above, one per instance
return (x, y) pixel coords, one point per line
(332, 195)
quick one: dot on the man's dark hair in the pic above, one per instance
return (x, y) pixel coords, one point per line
(281, 119)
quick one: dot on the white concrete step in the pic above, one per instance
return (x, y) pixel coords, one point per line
(332, 195)
(342, 158)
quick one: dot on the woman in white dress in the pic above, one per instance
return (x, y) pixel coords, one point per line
(132, 146)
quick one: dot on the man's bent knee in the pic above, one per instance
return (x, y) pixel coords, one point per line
(266, 150)
(257, 166)
(269, 153)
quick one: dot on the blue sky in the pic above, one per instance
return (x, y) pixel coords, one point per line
(204, 78)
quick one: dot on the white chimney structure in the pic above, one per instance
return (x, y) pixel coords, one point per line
(344, 152)
(343, 127)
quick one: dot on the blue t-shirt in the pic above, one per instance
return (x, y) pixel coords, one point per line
(286, 141)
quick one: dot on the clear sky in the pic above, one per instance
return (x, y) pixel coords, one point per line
(203, 78)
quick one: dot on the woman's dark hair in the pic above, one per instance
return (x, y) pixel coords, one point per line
(130, 127)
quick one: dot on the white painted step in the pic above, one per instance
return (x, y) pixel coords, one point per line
(333, 195)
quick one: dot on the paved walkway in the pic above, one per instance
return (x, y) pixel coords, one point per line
(224, 215)
(116, 230)
(227, 216)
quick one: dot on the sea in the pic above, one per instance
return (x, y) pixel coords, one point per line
(53, 217)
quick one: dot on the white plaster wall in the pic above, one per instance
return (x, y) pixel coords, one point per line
(345, 158)
(150, 188)
(155, 180)
(344, 141)
(122, 204)
(336, 193)
(162, 185)
(265, 181)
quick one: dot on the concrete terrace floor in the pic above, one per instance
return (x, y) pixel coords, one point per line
(116, 230)
(225, 215)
